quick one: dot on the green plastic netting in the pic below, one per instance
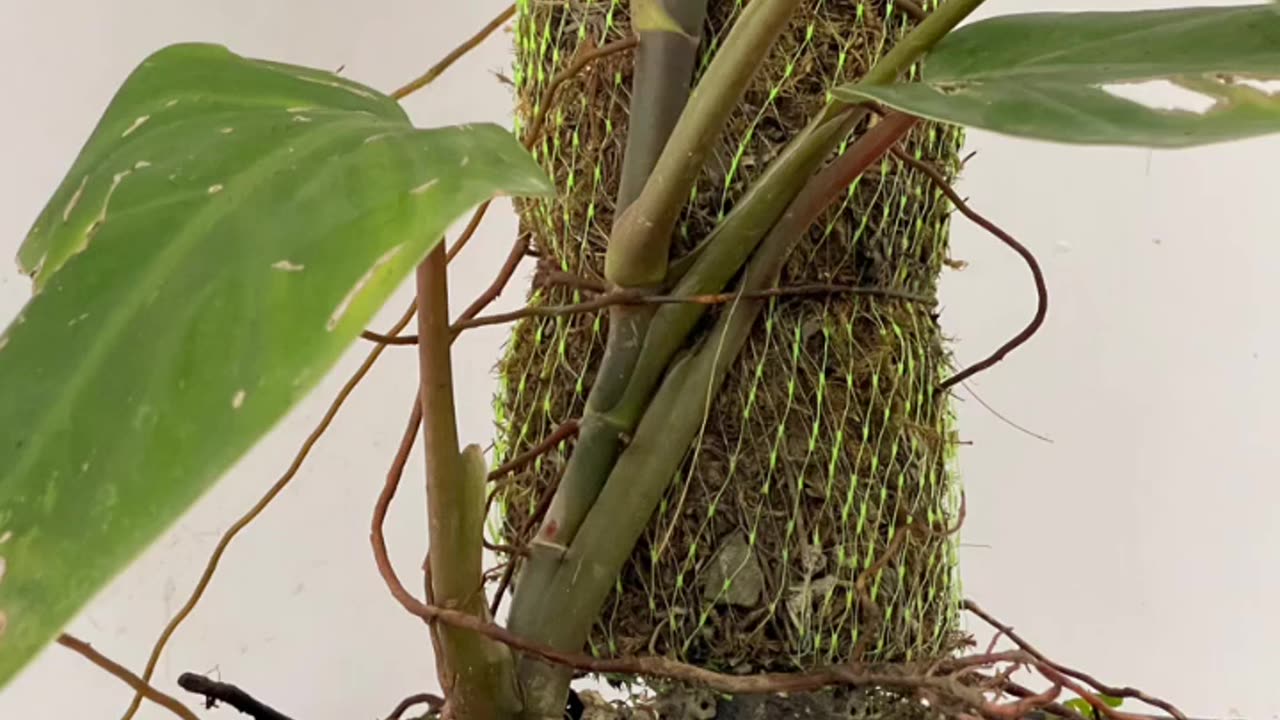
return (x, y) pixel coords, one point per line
(829, 437)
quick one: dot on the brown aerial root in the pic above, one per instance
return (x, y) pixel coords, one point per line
(640, 297)
(958, 684)
(120, 672)
(454, 55)
(1042, 288)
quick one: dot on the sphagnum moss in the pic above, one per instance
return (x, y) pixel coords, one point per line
(829, 437)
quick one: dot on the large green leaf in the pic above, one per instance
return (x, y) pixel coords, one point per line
(227, 230)
(1063, 76)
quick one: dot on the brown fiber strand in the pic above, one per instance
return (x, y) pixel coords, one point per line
(142, 687)
(454, 55)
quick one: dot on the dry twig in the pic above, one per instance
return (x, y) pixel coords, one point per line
(454, 55)
(567, 429)
(580, 61)
(215, 692)
(142, 687)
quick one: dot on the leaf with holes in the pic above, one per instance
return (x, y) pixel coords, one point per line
(1156, 78)
(225, 233)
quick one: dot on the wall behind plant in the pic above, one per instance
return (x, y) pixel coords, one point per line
(1139, 543)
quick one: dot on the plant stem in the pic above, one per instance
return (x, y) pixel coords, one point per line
(568, 603)
(617, 520)
(482, 681)
(665, 57)
(721, 255)
(123, 674)
(660, 85)
(920, 40)
(724, 253)
(640, 242)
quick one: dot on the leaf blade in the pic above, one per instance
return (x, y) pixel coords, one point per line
(199, 284)
(1066, 77)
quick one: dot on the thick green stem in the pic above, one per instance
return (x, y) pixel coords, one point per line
(651, 461)
(584, 572)
(723, 253)
(665, 59)
(920, 40)
(594, 452)
(640, 242)
(660, 91)
(481, 676)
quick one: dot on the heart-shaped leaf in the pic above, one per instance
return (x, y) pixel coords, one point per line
(1154, 78)
(226, 232)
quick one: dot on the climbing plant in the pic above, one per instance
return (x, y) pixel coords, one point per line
(724, 442)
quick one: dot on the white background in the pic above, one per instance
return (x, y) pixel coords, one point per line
(1140, 544)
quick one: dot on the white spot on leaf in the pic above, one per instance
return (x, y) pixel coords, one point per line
(215, 189)
(287, 266)
(75, 198)
(227, 130)
(340, 86)
(4, 340)
(141, 164)
(136, 124)
(238, 399)
(301, 118)
(300, 108)
(354, 292)
(4, 565)
(1162, 95)
(171, 103)
(424, 187)
(951, 88)
(6, 537)
(1270, 87)
(4, 622)
(35, 270)
(377, 137)
(98, 221)
(465, 159)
